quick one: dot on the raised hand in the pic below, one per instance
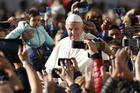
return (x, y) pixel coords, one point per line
(91, 47)
(67, 72)
(137, 67)
(75, 64)
(23, 53)
(49, 84)
(88, 78)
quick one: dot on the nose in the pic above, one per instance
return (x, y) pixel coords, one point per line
(73, 31)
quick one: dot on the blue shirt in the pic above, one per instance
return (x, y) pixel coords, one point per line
(40, 35)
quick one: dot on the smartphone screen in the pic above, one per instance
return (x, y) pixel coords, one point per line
(63, 60)
(78, 44)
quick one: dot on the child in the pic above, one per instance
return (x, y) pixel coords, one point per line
(39, 41)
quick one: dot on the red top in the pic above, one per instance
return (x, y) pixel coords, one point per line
(96, 70)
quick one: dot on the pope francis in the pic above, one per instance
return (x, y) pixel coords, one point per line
(63, 49)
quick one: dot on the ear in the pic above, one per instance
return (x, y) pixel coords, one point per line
(83, 26)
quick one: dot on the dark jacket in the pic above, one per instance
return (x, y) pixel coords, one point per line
(75, 88)
(113, 86)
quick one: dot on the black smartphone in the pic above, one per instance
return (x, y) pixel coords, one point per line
(82, 4)
(107, 63)
(78, 44)
(10, 48)
(4, 24)
(137, 13)
(63, 60)
(130, 42)
(54, 74)
(119, 11)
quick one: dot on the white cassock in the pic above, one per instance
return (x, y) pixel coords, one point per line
(63, 49)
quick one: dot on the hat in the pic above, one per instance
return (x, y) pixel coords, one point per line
(74, 18)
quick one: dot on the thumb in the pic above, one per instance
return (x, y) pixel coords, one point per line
(103, 72)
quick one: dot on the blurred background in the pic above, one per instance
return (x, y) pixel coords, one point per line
(16, 7)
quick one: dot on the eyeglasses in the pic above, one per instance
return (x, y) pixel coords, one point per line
(116, 48)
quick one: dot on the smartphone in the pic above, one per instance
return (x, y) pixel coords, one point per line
(78, 44)
(10, 48)
(137, 13)
(119, 11)
(54, 74)
(4, 24)
(63, 60)
(130, 42)
(82, 4)
(107, 63)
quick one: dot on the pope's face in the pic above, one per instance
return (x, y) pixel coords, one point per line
(75, 30)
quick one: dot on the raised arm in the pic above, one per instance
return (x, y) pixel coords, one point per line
(17, 31)
(6, 67)
(32, 75)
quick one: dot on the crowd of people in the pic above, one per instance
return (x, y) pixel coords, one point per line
(78, 51)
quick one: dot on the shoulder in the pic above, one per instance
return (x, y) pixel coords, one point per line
(23, 24)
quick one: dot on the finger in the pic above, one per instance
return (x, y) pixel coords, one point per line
(40, 75)
(87, 69)
(73, 60)
(2, 54)
(101, 40)
(19, 50)
(103, 72)
(126, 48)
(86, 41)
(110, 70)
(92, 46)
(44, 72)
(113, 65)
(62, 64)
(50, 77)
(93, 41)
(68, 66)
(58, 72)
(24, 48)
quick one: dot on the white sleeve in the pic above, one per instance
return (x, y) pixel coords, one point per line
(51, 62)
